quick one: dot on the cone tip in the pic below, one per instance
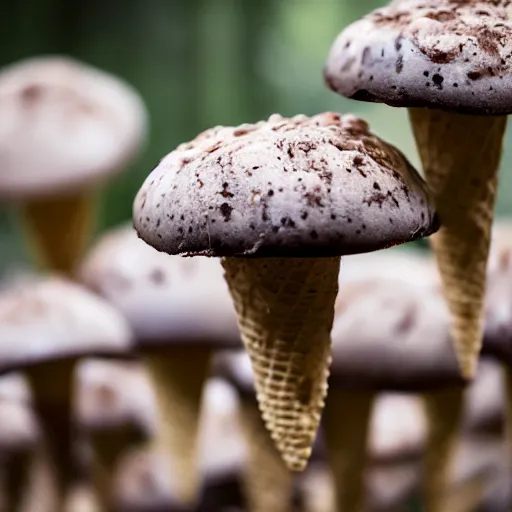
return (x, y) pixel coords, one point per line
(468, 365)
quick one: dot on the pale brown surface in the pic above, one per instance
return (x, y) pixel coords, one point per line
(460, 156)
(285, 312)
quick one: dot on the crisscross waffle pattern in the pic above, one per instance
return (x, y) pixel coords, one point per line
(285, 311)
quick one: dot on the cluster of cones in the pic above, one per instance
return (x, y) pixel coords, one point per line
(280, 201)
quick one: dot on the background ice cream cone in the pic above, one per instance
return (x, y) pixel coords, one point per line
(285, 310)
(444, 410)
(178, 381)
(59, 228)
(267, 481)
(346, 421)
(460, 156)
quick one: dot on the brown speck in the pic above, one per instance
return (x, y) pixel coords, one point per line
(157, 276)
(314, 235)
(31, 93)
(399, 64)
(407, 320)
(226, 210)
(225, 192)
(438, 81)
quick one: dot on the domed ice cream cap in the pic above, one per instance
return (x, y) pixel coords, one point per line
(317, 187)
(56, 319)
(453, 58)
(167, 301)
(281, 201)
(64, 125)
(424, 53)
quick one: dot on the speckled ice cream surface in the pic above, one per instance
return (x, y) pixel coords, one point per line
(448, 54)
(394, 335)
(305, 186)
(64, 125)
(54, 319)
(167, 300)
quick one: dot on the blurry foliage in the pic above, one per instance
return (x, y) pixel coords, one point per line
(199, 63)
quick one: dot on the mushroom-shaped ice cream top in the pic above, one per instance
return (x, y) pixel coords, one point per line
(55, 319)
(306, 186)
(397, 263)
(115, 395)
(428, 53)
(390, 334)
(165, 300)
(281, 201)
(64, 125)
(452, 57)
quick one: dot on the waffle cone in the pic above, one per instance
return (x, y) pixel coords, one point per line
(178, 378)
(444, 411)
(285, 311)
(267, 481)
(346, 422)
(460, 156)
(59, 229)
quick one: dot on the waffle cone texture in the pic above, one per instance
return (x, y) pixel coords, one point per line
(460, 156)
(285, 311)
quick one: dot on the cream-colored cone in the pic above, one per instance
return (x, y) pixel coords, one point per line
(285, 311)
(467, 496)
(178, 378)
(460, 156)
(346, 422)
(444, 411)
(59, 229)
(268, 483)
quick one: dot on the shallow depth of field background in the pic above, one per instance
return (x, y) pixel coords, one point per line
(199, 63)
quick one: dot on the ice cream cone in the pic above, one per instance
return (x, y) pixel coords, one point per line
(52, 390)
(285, 311)
(444, 410)
(267, 481)
(178, 378)
(460, 156)
(345, 423)
(59, 228)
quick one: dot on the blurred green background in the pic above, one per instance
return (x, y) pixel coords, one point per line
(199, 63)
